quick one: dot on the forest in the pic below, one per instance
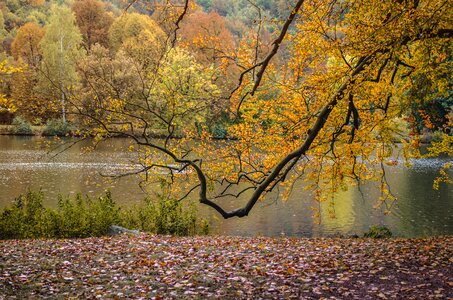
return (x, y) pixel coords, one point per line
(318, 91)
(50, 50)
(47, 46)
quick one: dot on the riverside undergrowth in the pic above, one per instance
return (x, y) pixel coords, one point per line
(82, 216)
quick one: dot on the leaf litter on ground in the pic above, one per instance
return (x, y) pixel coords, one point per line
(165, 267)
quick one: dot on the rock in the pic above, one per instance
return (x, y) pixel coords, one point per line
(115, 230)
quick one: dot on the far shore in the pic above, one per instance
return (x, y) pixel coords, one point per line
(426, 138)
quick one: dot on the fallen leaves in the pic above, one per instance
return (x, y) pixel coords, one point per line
(163, 267)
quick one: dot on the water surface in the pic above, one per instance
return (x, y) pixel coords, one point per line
(419, 211)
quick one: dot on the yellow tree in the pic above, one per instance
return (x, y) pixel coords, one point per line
(140, 38)
(6, 105)
(326, 116)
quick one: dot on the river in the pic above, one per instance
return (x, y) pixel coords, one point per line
(419, 210)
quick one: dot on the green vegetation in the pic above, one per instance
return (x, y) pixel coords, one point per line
(22, 126)
(84, 217)
(58, 127)
(378, 232)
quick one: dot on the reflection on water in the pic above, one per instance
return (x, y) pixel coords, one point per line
(419, 211)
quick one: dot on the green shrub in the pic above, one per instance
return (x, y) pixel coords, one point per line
(165, 216)
(437, 136)
(170, 218)
(25, 218)
(83, 217)
(378, 232)
(57, 127)
(22, 126)
(219, 131)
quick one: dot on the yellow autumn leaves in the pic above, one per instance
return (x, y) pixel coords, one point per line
(5, 103)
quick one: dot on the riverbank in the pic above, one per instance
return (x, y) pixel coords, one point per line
(11, 130)
(147, 266)
(425, 138)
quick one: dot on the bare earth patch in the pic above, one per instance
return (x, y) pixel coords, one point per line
(147, 266)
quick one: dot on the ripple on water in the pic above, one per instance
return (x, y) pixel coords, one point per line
(66, 165)
(424, 164)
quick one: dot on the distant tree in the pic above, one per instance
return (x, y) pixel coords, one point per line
(221, 7)
(206, 35)
(7, 30)
(61, 49)
(139, 37)
(32, 102)
(130, 26)
(93, 21)
(206, 4)
(174, 98)
(2, 26)
(3, 32)
(26, 44)
(7, 106)
(36, 3)
(105, 76)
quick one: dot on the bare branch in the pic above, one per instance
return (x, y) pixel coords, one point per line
(178, 21)
(265, 62)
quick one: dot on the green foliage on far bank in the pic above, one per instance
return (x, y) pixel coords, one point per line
(22, 126)
(378, 232)
(84, 217)
(58, 127)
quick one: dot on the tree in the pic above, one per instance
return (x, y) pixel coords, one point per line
(2, 26)
(326, 116)
(206, 35)
(3, 32)
(93, 21)
(106, 76)
(32, 101)
(173, 99)
(131, 26)
(6, 105)
(36, 3)
(26, 50)
(430, 97)
(139, 37)
(61, 50)
(26, 44)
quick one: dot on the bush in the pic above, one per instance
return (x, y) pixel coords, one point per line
(22, 126)
(83, 217)
(165, 216)
(57, 127)
(26, 218)
(437, 136)
(378, 232)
